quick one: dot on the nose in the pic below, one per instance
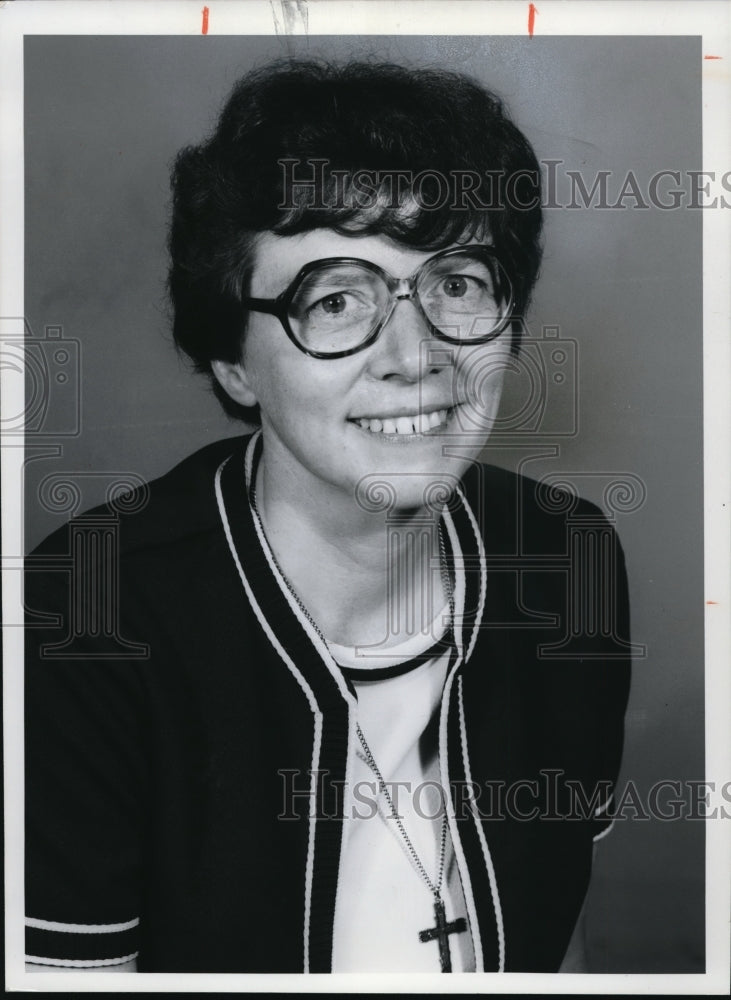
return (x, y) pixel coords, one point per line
(400, 352)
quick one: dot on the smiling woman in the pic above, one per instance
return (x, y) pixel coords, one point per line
(314, 407)
(278, 758)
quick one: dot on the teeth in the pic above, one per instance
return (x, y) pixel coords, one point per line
(420, 423)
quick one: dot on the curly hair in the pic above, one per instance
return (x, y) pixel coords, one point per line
(429, 125)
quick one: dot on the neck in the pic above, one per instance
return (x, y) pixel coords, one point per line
(365, 579)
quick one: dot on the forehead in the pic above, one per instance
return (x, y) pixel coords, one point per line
(277, 259)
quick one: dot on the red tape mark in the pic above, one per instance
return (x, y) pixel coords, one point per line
(532, 11)
(713, 57)
(204, 26)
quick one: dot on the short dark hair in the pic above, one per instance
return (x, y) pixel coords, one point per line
(346, 119)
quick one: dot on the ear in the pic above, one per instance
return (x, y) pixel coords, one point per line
(235, 381)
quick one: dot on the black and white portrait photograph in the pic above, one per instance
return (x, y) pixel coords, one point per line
(365, 496)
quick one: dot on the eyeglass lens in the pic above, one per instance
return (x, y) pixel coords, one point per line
(337, 306)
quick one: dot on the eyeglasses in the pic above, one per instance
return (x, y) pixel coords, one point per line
(339, 305)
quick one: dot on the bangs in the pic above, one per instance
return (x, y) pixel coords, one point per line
(421, 211)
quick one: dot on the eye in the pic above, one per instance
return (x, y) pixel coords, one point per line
(455, 286)
(461, 286)
(337, 308)
(334, 304)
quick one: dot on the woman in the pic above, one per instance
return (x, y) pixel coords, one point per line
(336, 726)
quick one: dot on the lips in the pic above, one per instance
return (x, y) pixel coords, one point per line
(415, 423)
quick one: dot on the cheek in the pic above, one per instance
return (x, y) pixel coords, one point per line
(295, 391)
(275, 370)
(479, 377)
(287, 398)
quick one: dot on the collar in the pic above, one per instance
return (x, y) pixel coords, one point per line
(288, 627)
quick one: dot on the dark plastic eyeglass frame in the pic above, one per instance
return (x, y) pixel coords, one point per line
(279, 306)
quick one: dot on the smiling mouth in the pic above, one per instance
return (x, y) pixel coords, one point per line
(406, 425)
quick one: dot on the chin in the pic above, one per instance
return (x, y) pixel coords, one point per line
(394, 487)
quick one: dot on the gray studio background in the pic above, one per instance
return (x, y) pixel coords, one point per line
(105, 116)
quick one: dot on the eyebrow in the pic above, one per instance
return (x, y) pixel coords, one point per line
(341, 276)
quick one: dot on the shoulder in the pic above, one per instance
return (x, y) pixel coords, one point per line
(147, 576)
(178, 507)
(518, 514)
(556, 607)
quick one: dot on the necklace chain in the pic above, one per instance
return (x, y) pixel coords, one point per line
(434, 887)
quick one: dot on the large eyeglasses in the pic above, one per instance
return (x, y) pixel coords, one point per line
(339, 305)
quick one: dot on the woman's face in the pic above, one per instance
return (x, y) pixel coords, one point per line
(408, 410)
